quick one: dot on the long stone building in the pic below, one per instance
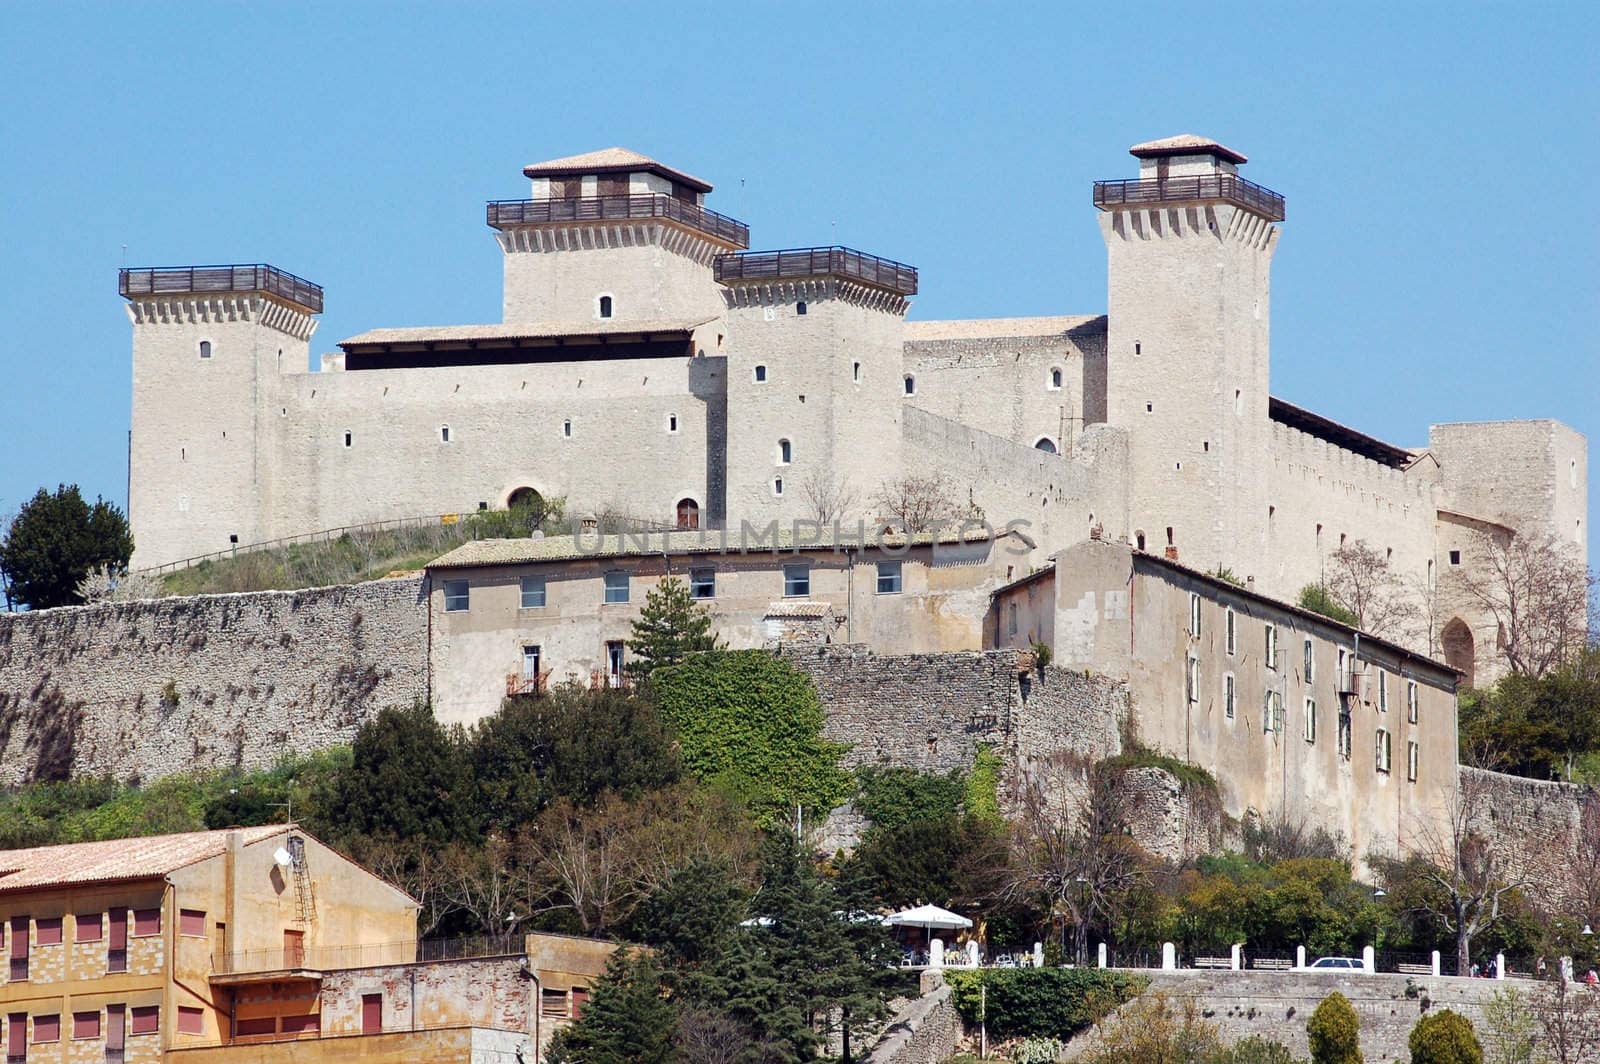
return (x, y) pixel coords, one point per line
(647, 363)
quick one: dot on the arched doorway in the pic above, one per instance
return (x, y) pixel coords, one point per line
(688, 514)
(524, 497)
(1456, 639)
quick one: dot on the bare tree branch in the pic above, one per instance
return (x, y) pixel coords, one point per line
(1536, 589)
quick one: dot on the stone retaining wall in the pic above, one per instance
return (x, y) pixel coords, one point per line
(144, 689)
(924, 1032)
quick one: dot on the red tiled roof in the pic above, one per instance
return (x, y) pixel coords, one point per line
(117, 859)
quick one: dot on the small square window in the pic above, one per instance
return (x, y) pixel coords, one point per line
(800, 308)
(616, 586)
(146, 922)
(533, 592)
(702, 583)
(191, 1020)
(205, 348)
(146, 1019)
(1455, 557)
(192, 922)
(47, 931)
(87, 927)
(889, 578)
(796, 580)
(47, 1028)
(457, 596)
(760, 374)
(86, 1024)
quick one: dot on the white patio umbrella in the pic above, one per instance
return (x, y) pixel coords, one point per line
(928, 916)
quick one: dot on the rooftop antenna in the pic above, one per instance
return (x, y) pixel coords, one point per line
(287, 807)
(124, 255)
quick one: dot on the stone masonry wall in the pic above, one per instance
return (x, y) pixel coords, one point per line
(924, 1032)
(1539, 823)
(144, 689)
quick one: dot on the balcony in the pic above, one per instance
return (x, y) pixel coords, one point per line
(509, 214)
(205, 280)
(310, 961)
(818, 262)
(1205, 188)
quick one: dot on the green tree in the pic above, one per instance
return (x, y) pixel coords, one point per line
(955, 862)
(1318, 599)
(671, 627)
(569, 743)
(1445, 1037)
(1510, 1029)
(407, 779)
(626, 1021)
(1255, 1050)
(53, 543)
(748, 722)
(1334, 1032)
(823, 964)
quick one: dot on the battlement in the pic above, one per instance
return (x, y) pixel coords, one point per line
(216, 280)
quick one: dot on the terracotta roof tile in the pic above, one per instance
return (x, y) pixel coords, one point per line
(117, 859)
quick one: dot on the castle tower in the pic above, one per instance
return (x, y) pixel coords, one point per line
(1189, 248)
(612, 234)
(815, 381)
(207, 343)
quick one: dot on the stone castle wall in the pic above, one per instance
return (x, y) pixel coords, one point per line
(144, 689)
(1540, 826)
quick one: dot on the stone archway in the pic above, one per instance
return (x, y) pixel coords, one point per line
(1459, 652)
(524, 496)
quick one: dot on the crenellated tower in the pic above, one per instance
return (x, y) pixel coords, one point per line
(208, 343)
(815, 358)
(1189, 247)
(612, 234)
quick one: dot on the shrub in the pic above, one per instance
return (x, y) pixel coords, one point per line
(1255, 1050)
(892, 796)
(1333, 1030)
(1040, 1002)
(1157, 1029)
(982, 797)
(1445, 1037)
(1316, 598)
(1037, 1051)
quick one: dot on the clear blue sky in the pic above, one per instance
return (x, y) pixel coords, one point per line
(1439, 262)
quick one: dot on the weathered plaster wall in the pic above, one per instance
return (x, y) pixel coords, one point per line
(84, 690)
(490, 992)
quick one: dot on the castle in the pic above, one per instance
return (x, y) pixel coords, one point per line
(648, 363)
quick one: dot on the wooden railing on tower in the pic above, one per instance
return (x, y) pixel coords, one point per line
(504, 214)
(818, 262)
(1202, 188)
(253, 277)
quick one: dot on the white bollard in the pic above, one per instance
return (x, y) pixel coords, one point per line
(1436, 963)
(1300, 958)
(1038, 954)
(1566, 968)
(936, 953)
(1236, 957)
(1499, 965)
(1169, 957)
(1369, 958)
(1102, 952)
(972, 953)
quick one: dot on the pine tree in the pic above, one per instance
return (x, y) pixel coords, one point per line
(626, 1021)
(670, 628)
(55, 541)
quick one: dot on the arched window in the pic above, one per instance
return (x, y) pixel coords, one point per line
(444, 433)
(1138, 540)
(348, 438)
(205, 348)
(777, 485)
(688, 514)
(911, 385)
(672, 422)
(604, 307)
(566, 429)
(760, 374)
(1045, 444)
(1055, 378)
(785, 452)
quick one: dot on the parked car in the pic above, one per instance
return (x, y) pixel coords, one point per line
(1339, 964)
